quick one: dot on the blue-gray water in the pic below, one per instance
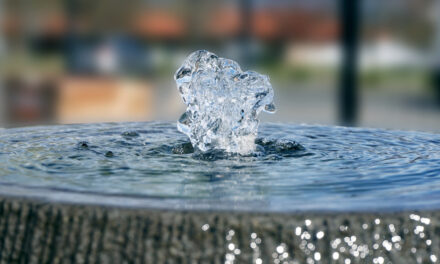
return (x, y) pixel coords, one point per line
(334, 168)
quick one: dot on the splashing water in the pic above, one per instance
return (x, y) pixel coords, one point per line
(222, 103)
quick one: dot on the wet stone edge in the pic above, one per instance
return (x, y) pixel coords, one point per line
(34, 231)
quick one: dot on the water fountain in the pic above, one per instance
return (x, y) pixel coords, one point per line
(144, 192)
(222, 103)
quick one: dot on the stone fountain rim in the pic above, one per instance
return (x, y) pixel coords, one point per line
(154, 204)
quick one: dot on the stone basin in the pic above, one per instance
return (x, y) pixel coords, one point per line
(136, 193)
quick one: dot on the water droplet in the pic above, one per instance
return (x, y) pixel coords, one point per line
(270, 108)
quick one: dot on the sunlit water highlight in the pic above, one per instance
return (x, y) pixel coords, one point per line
(333, 168)
(222, 101)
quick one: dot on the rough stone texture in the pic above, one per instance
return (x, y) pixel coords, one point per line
(34, 231)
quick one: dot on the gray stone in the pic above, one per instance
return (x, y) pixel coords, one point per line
(39, 231)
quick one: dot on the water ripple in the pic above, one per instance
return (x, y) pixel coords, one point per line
(296, 167)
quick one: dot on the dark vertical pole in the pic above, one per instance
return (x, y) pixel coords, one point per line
(436, 52)
(3, 100)
(349, 22)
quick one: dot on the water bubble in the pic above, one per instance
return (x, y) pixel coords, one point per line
(222, 103)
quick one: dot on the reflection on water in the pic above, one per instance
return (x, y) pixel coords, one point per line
(332, 168)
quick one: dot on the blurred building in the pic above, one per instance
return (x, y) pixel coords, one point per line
(66, 61)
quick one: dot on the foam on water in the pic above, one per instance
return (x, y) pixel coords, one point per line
(222, 103)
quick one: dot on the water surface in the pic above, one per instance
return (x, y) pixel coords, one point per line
(332, 168)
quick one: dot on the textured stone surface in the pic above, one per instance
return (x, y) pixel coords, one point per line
(41, 232)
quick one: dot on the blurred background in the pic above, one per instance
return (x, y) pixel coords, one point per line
(368, 63)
